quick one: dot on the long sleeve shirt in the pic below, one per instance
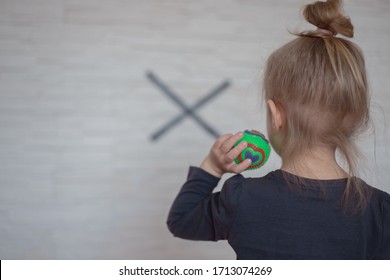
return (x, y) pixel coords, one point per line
(269, 218)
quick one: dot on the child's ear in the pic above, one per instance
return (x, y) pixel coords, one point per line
(276, 114)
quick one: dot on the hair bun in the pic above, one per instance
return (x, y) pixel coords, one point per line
(329, 16)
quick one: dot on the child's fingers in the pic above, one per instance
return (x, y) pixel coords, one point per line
(223, 153)
(217, 145)
(238, 168)
(229, 142)
(233, 153)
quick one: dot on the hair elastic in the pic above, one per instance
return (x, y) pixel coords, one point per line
(325, 32)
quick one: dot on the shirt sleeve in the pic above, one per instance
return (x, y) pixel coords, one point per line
(384, 251)
(199, 214)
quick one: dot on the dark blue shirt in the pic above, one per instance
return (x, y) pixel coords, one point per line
(267, 218)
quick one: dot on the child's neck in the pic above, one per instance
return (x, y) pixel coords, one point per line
(318, 163)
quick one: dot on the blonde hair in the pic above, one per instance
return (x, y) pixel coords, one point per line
(320, 82)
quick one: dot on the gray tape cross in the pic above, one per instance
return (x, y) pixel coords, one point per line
(187, 111)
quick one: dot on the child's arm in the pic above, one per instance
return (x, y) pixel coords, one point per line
(198, 213)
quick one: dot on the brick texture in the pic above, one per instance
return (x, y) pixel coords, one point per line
(79, 176)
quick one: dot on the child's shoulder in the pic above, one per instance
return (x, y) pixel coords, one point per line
(272, 180)
(378, 196)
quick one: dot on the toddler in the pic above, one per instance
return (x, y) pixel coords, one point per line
(317, 100)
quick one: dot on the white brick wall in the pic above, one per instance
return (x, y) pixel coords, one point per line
(79, 176)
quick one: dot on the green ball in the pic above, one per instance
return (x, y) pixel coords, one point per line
(258, 149)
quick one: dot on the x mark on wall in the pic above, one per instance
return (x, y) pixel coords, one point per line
(187, 111)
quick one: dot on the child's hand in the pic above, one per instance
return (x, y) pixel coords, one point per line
(221, 157)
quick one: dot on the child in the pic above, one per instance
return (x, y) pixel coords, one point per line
(311, 208)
